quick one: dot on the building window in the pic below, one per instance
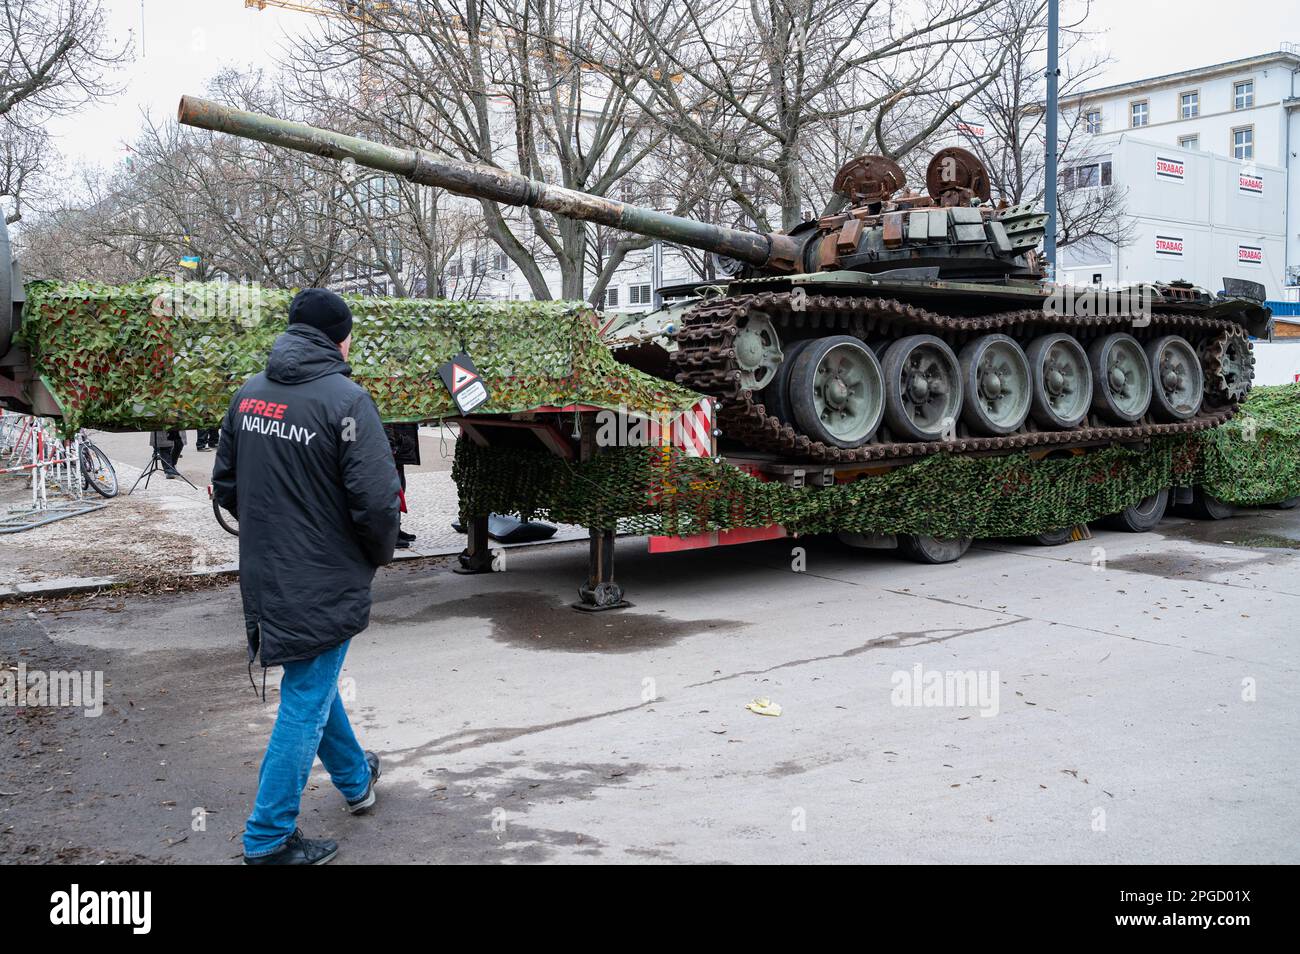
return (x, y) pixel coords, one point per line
(638, 295)
(1189, 104)
(1189, 142)
(1139, 113)
(611, 297)
(1243, 142)
(500, 262)
(455, 269)
(1092, 121)
(1243, 94)
(1089, 175)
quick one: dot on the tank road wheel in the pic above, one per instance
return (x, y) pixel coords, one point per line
(836, 391)
(1062, 381)
(758, 351)
(995, 376)
(1179, 381)
(1142, 516)
(776, 396)
(934, 550)
(922, 388)
(1121, 376)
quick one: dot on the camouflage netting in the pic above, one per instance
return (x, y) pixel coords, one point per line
(1252, 460)
(154, 355)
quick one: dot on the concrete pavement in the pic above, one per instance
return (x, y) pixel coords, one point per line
(1146, 710)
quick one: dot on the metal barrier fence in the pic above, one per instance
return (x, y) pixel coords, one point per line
(31, 449)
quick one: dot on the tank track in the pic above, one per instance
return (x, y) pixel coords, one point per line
(705, 361)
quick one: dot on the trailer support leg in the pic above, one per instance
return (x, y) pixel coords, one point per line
(600, 592)
(477, 555)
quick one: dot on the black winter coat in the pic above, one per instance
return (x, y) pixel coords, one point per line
(304, 465)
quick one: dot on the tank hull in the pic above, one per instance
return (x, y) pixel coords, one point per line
(696, 344)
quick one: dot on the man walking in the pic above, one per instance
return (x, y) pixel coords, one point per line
(303, 464)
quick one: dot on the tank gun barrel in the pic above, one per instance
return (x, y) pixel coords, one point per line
(488, 182)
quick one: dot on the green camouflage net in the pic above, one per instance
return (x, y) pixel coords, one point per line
(155, 355)
(1255, 458)
(1252, 460)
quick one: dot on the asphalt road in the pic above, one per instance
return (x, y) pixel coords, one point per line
(1146, 711)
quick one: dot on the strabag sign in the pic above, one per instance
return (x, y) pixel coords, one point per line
(1169, 169)
(1169, 246)
(1252, 256)
(1248, 183)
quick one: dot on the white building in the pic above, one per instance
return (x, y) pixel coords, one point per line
(1206, 159)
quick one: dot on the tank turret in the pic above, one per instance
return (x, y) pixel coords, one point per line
(953, 228)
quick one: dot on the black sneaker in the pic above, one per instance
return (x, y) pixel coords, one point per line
(299, 851)
(403, 535)
(402, 544)
(367, 801)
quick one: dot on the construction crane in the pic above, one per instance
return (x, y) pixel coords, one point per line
(346, 9)
(357, 10)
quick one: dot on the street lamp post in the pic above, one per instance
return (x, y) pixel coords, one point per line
(1049, 168)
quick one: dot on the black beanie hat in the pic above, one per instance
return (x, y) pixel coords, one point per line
(323, 309)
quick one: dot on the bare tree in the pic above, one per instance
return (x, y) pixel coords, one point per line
(244, 209)
(1006, 127)
(24, 155)
(498, 83)
(226, 206)
(93, 233)
(415, 238)
(762, 87)
(55, 55)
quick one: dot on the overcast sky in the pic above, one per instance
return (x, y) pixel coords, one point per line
(180, 44)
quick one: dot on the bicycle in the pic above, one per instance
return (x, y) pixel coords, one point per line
(97, 470)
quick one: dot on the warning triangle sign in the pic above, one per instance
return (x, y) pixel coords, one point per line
(462, 381)
(460, 377)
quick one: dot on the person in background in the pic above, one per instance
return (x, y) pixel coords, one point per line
(173, 454)
(206, 438)
(403, 439)
(303, 465)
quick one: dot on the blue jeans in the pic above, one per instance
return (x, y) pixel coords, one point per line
(311, 722)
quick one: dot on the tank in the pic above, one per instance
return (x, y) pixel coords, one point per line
(911, 323)
(20, 388)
